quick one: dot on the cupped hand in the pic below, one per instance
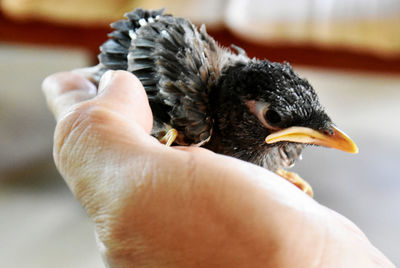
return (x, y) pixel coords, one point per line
(159, 206)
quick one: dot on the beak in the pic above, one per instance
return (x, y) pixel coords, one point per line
(338, 139)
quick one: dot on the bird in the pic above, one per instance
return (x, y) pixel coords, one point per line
(203, 94)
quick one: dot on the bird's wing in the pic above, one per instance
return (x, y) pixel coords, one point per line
(114, 52)
(176, 63)
(187, 62)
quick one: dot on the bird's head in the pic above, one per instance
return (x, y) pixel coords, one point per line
(264, 107)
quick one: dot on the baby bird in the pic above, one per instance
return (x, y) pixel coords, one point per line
(203, 94)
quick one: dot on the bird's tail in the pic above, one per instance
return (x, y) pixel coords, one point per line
(114, 52)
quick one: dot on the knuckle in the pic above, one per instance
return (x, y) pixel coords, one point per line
(50, 81)
(77, 129)
(63, 82)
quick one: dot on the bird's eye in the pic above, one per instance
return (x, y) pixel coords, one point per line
(272, 117)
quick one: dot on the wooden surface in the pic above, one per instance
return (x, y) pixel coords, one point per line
(90, 37)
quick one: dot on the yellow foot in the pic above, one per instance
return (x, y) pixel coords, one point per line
(170, 137)
(296, 180)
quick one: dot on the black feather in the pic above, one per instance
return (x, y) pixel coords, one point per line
(199, 88)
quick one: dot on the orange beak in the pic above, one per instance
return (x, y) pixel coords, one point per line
(338, 139)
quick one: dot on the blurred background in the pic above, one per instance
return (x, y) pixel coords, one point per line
(348, 49)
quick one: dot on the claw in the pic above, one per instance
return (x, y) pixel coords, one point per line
(296, 180)
(169, 137)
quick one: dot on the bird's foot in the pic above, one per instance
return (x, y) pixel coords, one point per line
(296, 180)
(169, 137)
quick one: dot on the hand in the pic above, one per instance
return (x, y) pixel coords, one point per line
(159, 206)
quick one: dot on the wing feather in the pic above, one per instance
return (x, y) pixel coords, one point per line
(177, 64)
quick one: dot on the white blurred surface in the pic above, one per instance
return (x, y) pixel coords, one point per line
(42, 226)
(25, 123)
(363, 187)
(359, 25)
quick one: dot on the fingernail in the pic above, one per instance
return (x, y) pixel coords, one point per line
(105, 80)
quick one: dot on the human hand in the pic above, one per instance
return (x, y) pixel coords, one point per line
(159, 206)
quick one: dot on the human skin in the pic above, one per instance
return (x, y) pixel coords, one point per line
(159, 206)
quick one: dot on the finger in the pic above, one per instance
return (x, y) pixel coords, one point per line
(93, 73)
(63, 90)
(123, 93)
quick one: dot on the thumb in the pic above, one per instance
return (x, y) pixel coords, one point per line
(123, 93)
